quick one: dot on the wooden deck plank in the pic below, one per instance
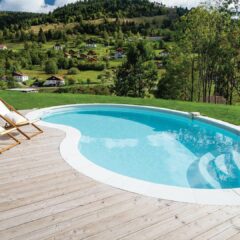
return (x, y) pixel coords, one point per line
(201, 225)
(222, 231)
(42, 197)
(169, 222)
(234, 237)
(122, 228)
(60, 219)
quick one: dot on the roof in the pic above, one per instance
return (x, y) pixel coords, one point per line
(91, 52)
(19, 74)
(119, 49)
(55, 78)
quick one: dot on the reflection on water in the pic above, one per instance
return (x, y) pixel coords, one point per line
(224, 166)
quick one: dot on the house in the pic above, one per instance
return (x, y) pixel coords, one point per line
(83, 56)
(164, 54)
(91, 44)
(67, 55)
(119, 53)
(72, 52)
(154, 38)
(217, 100)
(20, 77)
(58, 47)
(92, 59)
(3, 47)
(54, 81)
(159, 65)
(91, 53)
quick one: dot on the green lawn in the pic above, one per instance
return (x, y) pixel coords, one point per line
(29, 101)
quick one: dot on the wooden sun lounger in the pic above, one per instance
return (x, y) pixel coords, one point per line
(8, 132)
(10, 124)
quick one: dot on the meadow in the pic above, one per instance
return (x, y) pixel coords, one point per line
(226, 113)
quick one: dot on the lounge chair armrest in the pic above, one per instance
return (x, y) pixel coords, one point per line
(7, 131)
(7, 120)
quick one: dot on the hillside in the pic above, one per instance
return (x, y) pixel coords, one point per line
(89, 10)
(94, 9)
(126, 48)
(20, 19)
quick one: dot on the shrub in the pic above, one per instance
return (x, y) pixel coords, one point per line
(73, 71)
(91, 66)
(96, 90)
(71, 81)
(51, 67)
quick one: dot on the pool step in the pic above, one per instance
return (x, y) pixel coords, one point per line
(223, 172)
(203, 168)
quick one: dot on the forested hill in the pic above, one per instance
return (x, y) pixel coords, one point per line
(88, 10)
(93, 9)
(20, 19)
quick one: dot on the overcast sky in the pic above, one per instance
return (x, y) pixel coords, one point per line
(49, 5)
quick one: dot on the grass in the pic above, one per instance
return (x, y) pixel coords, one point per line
(82, 75)
(39, 100)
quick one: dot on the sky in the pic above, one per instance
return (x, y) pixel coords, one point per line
(49, 5)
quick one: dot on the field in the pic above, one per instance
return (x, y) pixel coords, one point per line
(137, 20)
(37, 72)
(39, 100)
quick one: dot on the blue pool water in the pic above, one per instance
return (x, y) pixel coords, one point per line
(155, 146)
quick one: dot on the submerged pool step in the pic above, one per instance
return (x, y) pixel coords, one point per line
(222, 170)
(203, 164)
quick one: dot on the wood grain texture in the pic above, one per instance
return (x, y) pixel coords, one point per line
(42, 197)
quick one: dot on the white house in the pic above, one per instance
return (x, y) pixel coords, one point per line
(20, 77)
(91, 45)
(54, 81)
(58, 47)
(164, 54)
(3, 47)
(154, 38)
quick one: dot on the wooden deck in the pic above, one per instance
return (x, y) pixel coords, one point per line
(42, 197)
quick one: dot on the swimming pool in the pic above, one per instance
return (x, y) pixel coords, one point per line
(156, 147)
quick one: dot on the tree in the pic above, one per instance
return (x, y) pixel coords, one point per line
(205, 59)
(41, 36)
(51, 67)
(175, 82)
(137, 75)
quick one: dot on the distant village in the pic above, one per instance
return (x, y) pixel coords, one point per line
(87, 54)
(55, 81)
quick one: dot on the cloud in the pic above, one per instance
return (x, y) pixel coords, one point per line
(31, 6)
(182, 3)
(110, 143)
(25, 5)
(41, 6)
(120, 143)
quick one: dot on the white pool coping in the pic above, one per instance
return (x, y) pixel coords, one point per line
(70, 153)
